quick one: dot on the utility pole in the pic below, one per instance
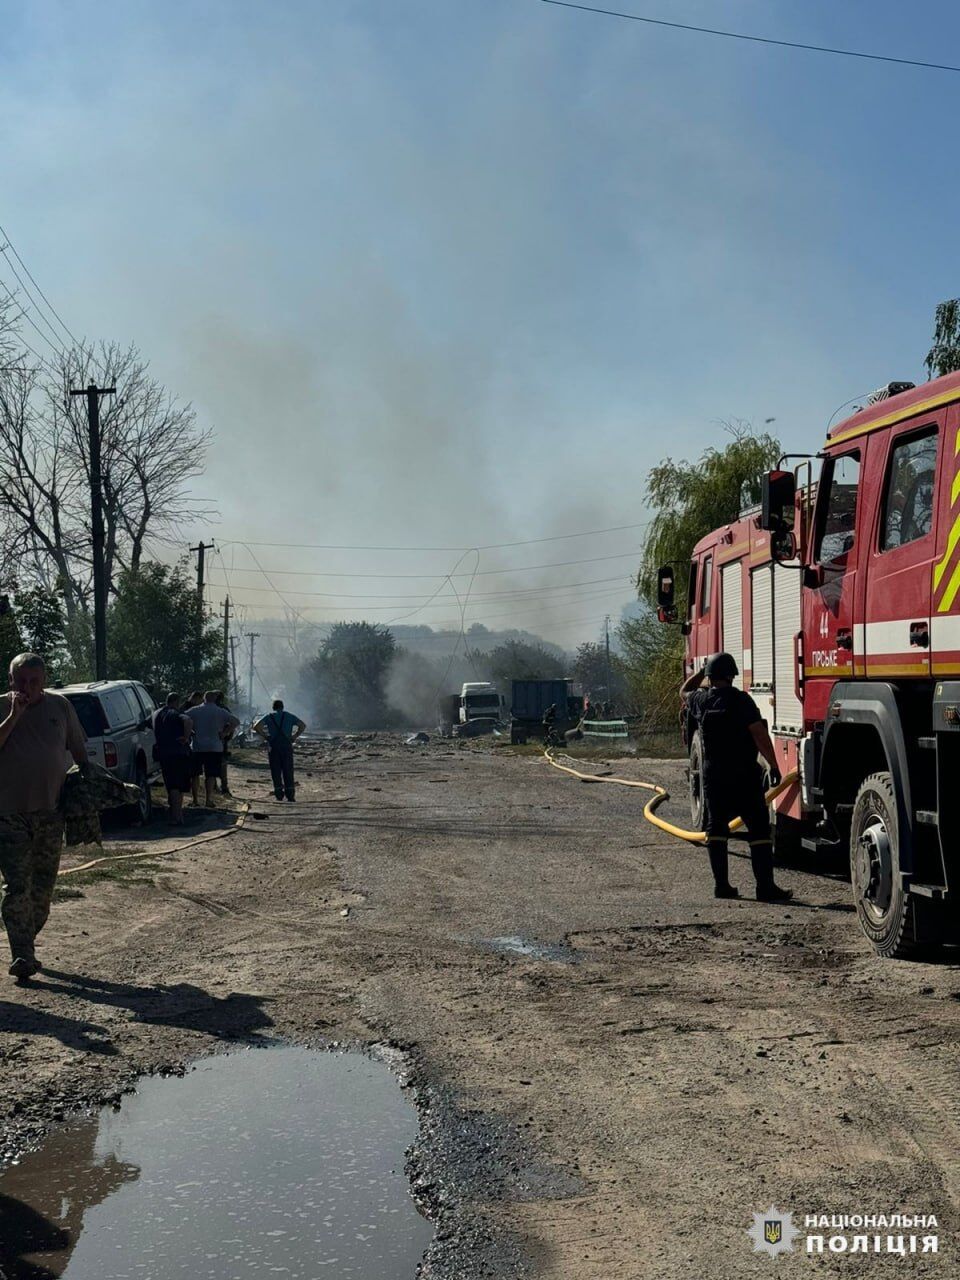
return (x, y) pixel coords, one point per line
(201, 550)
(201, 553)
(254, 635)
(606, 630)
(226, 639)
(235, 687)
(93, 394)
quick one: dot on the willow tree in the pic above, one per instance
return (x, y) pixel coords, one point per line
(688, 499)
(944, 356)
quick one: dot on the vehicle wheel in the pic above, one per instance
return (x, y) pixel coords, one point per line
(886, 913)
(698, 815)
(144, 807)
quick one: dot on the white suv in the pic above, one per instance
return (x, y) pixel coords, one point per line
(117, 717)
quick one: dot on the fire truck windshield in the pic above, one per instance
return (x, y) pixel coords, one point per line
(838, 499)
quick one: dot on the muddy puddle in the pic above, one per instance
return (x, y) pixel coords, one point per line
(270, 1162)
(532, 948)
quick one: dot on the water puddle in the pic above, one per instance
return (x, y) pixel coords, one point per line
(269, 1162)
(517, 945)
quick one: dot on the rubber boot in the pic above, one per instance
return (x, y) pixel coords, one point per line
(722, 888)
(761, 856)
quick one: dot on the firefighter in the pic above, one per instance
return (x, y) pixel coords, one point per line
(733, 734)
(549, 720)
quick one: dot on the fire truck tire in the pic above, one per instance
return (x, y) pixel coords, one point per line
(698, 816)
(883, 905)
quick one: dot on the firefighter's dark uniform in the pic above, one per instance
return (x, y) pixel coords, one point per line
(732, 778)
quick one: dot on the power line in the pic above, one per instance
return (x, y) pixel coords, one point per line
(428, 603)
(492, 546)
(505, 594)
(482, 573)
(10, 245)
(739, 35)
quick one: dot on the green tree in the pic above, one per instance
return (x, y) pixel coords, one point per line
(152, 632)
(590, 668)
(944, 356)
(652, 664)
(516, 660)
(689, 499)
(348, 677)
(11, 641)
(40, 616)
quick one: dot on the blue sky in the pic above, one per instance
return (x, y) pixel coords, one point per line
(445, 272)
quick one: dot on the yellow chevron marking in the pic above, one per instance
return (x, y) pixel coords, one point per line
(940, 568)
(946, 600)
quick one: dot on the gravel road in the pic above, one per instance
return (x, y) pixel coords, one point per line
(614, 1071)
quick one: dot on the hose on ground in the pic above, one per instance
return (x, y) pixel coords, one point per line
(661, 794)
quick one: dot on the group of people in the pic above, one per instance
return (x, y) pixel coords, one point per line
(193, 742)
(41, 734)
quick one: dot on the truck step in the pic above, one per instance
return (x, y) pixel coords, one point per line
(929, 743)
(935, 891)
(819, 844)
(928, 817)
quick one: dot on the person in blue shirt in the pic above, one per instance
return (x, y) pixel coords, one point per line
(280, 730)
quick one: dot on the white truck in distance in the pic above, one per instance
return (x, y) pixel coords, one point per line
(480, 701)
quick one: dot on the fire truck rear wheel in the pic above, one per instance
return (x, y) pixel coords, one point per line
(698, 815)
(883, 905)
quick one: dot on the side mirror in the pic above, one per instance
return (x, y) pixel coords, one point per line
(783, 545)
(778, 491)
(666, 610)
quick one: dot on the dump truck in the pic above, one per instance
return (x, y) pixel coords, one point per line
(529, 699)
(839, 597)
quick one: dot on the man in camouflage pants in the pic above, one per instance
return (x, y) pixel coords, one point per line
(37, 730)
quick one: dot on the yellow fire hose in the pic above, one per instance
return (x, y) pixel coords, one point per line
(661, 794)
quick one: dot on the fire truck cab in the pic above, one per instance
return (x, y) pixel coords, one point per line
(840, 600)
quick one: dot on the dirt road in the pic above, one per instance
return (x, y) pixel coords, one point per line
(618, 1105)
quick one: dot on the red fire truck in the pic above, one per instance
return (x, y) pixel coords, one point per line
(839, 597)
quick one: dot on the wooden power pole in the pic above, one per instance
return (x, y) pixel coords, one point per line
(253, 636)
(93, 394)
(226, 639)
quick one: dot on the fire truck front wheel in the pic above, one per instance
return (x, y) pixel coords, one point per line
(698, 816)
(885, 911)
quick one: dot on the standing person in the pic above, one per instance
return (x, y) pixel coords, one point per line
(172, 731)
(227, 735)
(733, 734)
(196, 764)
(280, 730)
(37, 731)
(209, 723)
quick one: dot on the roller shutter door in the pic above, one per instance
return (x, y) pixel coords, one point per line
(731, 588)
(787, 709)
(761, 582)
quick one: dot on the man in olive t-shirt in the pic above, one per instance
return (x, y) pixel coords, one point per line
(37, 731)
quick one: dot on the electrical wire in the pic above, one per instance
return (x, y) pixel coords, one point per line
(517, 593)
(432, 603)
(740, 35)
(10, 245)
(492, 546)
(420, 577)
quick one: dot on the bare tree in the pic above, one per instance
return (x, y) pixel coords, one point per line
(151, 449)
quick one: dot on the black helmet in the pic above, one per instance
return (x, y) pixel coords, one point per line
(721, 666)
